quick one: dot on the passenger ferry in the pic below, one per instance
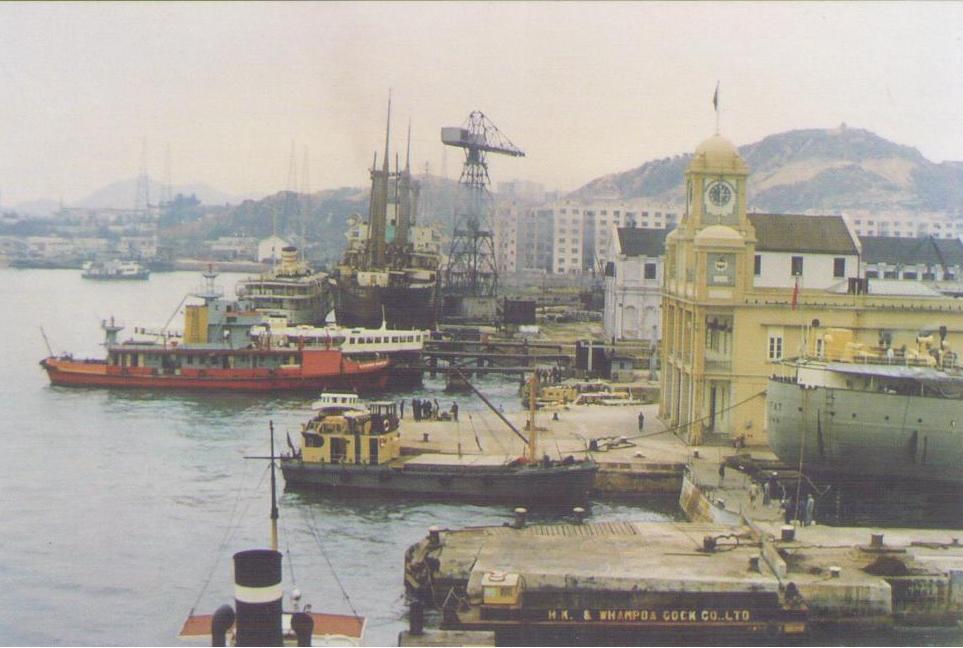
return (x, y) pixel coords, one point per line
(292, 288)
(116, 269)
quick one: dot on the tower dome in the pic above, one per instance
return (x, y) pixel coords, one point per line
(717, 154)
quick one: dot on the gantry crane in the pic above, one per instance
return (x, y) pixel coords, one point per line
(471, 269)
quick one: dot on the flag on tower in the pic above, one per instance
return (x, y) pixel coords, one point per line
(715, 98)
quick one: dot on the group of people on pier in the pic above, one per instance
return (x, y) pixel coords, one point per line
(424, 409)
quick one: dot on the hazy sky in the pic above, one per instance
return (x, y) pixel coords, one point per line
(585, 89)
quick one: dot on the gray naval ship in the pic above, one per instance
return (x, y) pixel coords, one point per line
(875, 415)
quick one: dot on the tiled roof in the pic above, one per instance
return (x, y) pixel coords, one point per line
(801, 233)
(912, 251)
(637, 241)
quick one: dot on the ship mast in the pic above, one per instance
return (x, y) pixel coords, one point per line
(274, 497)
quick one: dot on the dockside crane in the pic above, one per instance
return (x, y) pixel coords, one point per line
(471, 269)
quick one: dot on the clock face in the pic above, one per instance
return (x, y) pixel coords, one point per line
(720, 198)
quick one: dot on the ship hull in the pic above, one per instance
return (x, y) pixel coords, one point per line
(333, 374)
(859, 434)
(401, 308)
(515, 485)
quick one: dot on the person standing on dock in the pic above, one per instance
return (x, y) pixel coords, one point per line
(401, 408)
(416, 409)
(722, 472)
(810, 509)
(753, 494)
(641, 421)
(454, 410)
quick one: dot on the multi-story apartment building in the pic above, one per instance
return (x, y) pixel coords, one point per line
(902, 224)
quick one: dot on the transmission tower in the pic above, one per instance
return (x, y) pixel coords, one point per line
(471, 270)
(167, 188)
(142, 197)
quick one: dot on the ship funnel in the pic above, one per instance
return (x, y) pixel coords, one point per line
(289, 259)
(257, 597)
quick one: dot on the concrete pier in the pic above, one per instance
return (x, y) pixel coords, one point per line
(650, 461)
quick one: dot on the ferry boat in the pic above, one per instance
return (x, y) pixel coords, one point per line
(403, 347)
(870, 413)
(115, 269)
(351, 450)
(260, 618)
(293, 288)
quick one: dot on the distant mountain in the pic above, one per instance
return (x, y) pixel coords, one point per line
(37, 207)
(321, 216)
(813, 169)
(121, 194)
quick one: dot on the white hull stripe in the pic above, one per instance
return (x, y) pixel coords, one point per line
(267, 594)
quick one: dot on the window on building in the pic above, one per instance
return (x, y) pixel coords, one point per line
(890, 274)
(909, 275)
(650, 271)
(797, 266)
(839, 267)
(775, 346)
(757, 265)
(872, 274)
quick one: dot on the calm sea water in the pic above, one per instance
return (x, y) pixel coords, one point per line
(121, 509)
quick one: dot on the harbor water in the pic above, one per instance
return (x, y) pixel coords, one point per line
(121, 509)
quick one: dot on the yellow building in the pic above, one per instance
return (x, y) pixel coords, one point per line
(723, 331)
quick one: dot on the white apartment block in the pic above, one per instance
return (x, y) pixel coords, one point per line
(901, 224)
(569, 237)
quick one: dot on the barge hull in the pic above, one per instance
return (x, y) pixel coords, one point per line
(562, 484)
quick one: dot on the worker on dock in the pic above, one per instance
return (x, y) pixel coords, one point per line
(810, 509)
(454, 411)
(401, 408)
(722, 472)
(641, 421)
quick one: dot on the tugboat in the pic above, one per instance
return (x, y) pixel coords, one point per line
(259, 618)
(390, 266)
(115, 270)
(351, 450)
(877, 413)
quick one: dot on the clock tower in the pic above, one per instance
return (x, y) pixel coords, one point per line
(708, 270)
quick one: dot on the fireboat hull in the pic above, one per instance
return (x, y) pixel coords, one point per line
(361, 377)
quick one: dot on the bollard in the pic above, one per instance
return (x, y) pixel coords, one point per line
(695, 454)
(434, 536)
(876, 540)
(221, 622)
(424, 437)
(754, 563)
(520, 517)
(835, 571)
(579, 513)
(303, 626)
(788, 533)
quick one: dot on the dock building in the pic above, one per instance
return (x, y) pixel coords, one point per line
(743, 292)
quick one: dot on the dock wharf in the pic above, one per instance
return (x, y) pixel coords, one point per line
(735, 566)
(482, 356)
(628, 467)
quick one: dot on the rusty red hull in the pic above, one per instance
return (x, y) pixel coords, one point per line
(320, 370)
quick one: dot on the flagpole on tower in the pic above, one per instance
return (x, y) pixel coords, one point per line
(715, 105)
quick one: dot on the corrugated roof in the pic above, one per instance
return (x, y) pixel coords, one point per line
(801, 233)
(637, 241)
(912, 251)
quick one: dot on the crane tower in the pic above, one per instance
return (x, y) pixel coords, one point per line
(471, 270)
